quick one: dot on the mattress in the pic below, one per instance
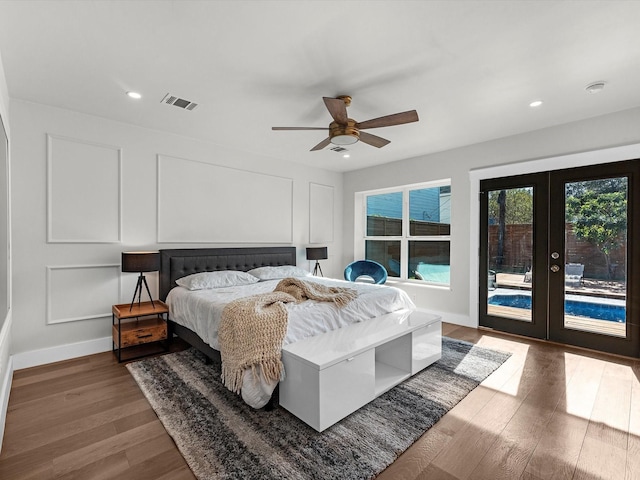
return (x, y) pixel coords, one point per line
(201, 310)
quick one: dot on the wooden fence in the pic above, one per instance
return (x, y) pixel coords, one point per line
(517, 255)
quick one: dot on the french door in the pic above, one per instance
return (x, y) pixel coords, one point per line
(560, 256)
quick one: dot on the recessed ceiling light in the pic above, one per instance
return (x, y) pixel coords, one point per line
(346, 155)
(135, 95)
(535, 103)
(595, 87)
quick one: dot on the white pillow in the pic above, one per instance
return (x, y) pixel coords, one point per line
(222, 278)
(273, 273)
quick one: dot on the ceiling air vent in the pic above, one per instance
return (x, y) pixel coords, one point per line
(338, 149)
(179, 102)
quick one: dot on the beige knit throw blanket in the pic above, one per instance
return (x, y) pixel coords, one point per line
(251, 333)
(253, 328)
(303, 290)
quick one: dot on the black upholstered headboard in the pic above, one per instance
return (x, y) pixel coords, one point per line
(177, 263)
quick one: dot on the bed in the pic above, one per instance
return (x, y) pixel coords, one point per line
(306, 319)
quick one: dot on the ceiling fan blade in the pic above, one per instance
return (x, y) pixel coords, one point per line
(299, 128)
(322, 144)
(373, 140)
(389, 120)
(337, 109)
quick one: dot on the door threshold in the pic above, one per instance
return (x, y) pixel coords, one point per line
(559, 344)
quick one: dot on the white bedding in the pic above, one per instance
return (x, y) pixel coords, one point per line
(201, 311)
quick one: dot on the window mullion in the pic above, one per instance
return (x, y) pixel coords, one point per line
(404, 243)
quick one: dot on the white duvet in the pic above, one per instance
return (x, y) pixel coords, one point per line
(201, 311)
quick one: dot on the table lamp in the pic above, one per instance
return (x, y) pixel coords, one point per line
(317, 253)
(141, 262)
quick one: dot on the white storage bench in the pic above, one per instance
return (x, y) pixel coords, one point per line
(334, 374)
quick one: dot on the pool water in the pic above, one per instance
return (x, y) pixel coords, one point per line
(611, 313)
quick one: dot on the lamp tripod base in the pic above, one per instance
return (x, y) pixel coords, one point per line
(317, 269)
(141, 280)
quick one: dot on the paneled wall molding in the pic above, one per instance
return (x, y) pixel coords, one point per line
(84, 191)
(81, 292)
(320, 213)
(200, 202)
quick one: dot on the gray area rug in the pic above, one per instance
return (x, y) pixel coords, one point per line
(221, 437)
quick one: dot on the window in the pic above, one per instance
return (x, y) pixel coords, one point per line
(408, 230)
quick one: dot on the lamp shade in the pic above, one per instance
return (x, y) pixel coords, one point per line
(317, 253)
(140, 261)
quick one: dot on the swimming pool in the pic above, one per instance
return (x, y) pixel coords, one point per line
(610, 313)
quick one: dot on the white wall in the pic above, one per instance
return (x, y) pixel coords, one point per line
(102, 196)
(459, 303)
(6, 370)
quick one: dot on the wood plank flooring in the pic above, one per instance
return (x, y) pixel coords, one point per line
(549, 412)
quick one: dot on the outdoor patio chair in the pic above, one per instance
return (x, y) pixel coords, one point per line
(492, 284)
(573, 274)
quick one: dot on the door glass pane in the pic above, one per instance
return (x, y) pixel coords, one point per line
(429, 261)
(385, 252)
(510, 253)
(384, 215)
(596, 256)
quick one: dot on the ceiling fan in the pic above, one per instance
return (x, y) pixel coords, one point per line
(346, 131)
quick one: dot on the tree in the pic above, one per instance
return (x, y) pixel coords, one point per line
(509, 207)
(517, 204)
(598, 211)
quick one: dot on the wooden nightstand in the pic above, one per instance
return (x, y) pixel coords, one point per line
(144, 323)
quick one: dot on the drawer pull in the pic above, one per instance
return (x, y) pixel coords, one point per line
(351, 359)
(145, 336)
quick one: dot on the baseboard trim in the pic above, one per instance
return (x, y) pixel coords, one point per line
(454, 318)
(59, 353)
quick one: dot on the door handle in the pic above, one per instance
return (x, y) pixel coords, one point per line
(555, 268)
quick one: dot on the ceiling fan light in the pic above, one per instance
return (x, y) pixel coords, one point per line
(344, 139)
(596, 87)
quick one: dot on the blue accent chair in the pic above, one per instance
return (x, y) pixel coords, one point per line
(367, 268)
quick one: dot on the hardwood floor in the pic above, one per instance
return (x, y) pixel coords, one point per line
(549, 412)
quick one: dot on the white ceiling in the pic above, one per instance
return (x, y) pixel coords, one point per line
(470, 68)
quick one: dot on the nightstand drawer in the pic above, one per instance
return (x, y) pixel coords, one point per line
(139, 332)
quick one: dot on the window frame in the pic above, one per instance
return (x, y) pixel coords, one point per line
(406, 236)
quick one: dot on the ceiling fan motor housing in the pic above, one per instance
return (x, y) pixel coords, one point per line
(344, 134)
